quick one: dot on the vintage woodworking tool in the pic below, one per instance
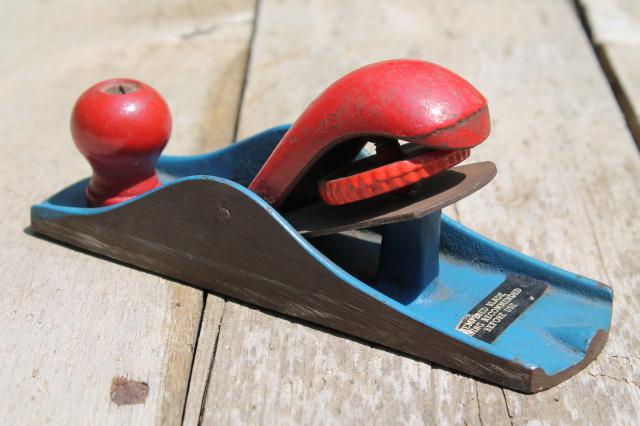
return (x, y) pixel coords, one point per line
(304, 220)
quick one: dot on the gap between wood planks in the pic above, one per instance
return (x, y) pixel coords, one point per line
(243, 88)
(626, 107)
(205, 293)
(621, 98)
(193, 357)
(211, 362)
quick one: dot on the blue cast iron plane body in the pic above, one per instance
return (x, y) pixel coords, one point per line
(432, 273)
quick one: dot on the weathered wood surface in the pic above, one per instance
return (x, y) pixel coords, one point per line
(615, 26)
(565, 192)
(71, 322)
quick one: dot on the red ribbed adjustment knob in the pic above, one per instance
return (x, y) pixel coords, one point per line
(386, 178)
(121, 126)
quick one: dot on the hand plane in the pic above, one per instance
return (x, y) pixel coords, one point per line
(335, 220)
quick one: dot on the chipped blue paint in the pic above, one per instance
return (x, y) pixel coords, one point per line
(553, 334)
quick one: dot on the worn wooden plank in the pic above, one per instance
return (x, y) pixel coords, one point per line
(559, 196)
(76, 327)
(615, 26)
(203, 359)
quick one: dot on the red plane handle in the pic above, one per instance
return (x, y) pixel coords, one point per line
(411, 100)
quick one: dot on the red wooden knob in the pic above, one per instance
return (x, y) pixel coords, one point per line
(120, 126)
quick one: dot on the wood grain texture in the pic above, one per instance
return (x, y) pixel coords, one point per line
(71, 322)
(615, 26)
(614, 21)
(559, 196)
(204, 358)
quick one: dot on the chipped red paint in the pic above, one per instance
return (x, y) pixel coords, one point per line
(412, 100)
(120, 126)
